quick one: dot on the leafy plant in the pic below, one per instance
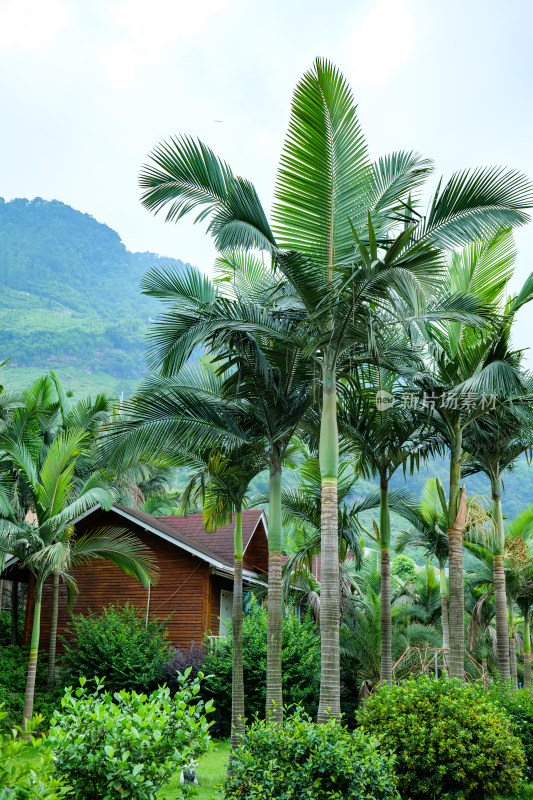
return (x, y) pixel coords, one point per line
(127, 745)
(303, 760)
(5, 628)
(300, 663)
(13, 668)
(22, 776)
(119, 645)
(191, 658)
(450, 741)
(518, 704)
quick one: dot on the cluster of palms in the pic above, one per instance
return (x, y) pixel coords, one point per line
(353, 290)
(358, 331)
(49, 478)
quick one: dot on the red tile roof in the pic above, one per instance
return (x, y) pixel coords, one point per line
(190, 531)
(221, 541)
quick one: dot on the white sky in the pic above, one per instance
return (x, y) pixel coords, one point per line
(88, 88)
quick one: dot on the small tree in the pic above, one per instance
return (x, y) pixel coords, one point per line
(48, 546)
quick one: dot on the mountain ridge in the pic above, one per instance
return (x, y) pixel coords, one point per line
(69, 292)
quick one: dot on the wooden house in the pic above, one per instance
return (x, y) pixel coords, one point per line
(195, 587)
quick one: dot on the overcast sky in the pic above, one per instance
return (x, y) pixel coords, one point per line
(89, 87)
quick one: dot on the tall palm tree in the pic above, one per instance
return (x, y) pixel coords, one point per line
(47, 545)
(382, 438)
(467, 370)
(428, 529)
(337, 264)
(272, 386)
(222, 482)
(187, 422)
(494, 442)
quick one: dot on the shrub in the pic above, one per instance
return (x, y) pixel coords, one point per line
(26, 767)
(13, 671)
(5, 628)
(118, 645)
(128, 745)
(183, 658)
(519, 706)
(449, 740)
(300, 664)
(300, 759)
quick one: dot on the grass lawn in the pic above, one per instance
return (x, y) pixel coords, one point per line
(210, 773)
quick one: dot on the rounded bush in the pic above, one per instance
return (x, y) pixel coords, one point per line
(119, 645)
(300, 759)
(450, 741)
(127, 746)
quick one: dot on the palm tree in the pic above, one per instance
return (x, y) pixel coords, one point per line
(428, 529)
(271, 385)
(361, 628)
(382, 438)
(466, 371)
(337, 263)
(221, 482)
(518, 545)
(188, 423)
(479, 603)
(47, 546)
(494, 442)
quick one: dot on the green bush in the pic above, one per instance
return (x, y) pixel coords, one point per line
(449, 740)
(303, 760)
(5, 628)
(128, 745)
(118, 645)
(13, 671)
(300, 663)
(519, 706)
(27, 770)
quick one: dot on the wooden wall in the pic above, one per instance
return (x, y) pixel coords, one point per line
(182, 596)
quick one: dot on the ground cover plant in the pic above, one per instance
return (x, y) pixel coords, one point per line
(449, 740)
(127, 745)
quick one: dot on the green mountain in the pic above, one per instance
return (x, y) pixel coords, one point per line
(70, 298)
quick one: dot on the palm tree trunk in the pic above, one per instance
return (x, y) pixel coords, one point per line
(500, 594)
(15, 613)
(456, 523)
(51, 679)
(386, 619)
(512, 659)
(485, 674)
(34, 653)
(330, 690)
(527, 652)
(274, 690)
(237, 687)
(444, 620)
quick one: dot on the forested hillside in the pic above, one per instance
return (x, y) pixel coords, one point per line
(69, 295)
